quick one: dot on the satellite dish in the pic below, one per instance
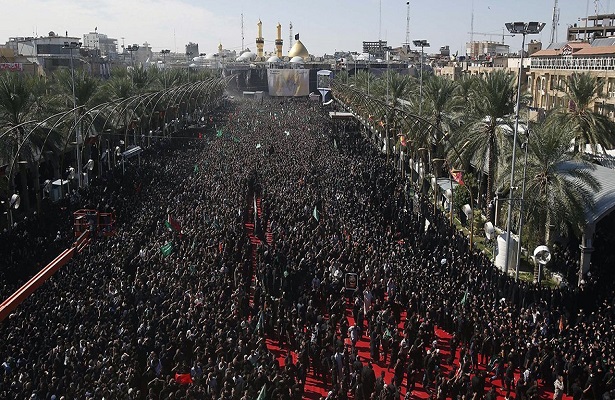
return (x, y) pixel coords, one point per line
(489, 230)
(71, 173)
(15, 201)
(467, 210)
(90, 164)
(542, 254)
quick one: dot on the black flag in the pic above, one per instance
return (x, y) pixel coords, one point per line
(297, 36)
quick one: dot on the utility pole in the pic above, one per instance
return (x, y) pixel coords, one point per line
(242, 36)
(407, 26)
(290, 36)
(554, 22)
(472, 25)
(380, 21)
(75, 46)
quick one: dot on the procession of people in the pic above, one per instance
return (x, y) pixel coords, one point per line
(227, 280)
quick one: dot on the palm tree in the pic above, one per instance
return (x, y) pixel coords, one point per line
(141, 78)
(394, 87)
(362, 79)
(441, 107)
(21, 101)
(559, 185)
(342, 77)
(492, 100)
(589, 127)
(466, 85)
(118, 87)
(87, 95)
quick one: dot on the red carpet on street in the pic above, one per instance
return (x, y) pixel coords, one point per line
(315, 388)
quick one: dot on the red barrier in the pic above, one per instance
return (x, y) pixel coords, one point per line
(41, 277)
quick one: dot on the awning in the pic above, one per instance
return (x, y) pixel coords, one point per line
(445, 184)
(135, 151)
(341, 115)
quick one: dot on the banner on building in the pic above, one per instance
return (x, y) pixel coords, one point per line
(288, 82)
(11, 67)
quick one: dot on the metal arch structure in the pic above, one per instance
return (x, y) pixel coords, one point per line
(162, 96)
(38, 124)
(178, 94)
(61, 115)
(191, 92)
(169, 98)
(199, 90)
(113, 114)
(182, 90)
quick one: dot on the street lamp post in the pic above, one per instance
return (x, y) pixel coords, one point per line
(164, 65)
(368, 72)
(422, 43)
(524, 146)
(132, 49)
(523, 29)
(188, 59)
(470, 212)
(74, 46)
(435, 182)
(388, 141)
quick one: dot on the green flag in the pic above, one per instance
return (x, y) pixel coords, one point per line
(167, 249)
(316, 214)
(235, 139)
(465, 298)
(219, 133)
(196, 168)
(263, 394)
(168, 225)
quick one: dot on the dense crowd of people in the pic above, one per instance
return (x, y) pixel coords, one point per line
(127, 320)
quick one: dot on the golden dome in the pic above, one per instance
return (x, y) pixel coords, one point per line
(298, 50)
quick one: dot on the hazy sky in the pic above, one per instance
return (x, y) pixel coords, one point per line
(324, 25)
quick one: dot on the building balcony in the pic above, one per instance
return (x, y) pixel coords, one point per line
(573, 63)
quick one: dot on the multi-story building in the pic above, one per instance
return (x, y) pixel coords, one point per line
(106, 46)
(455, 70)
(43, 55)
(192, 49)
(376, 49)
(592, 27)
(552, 67)
(11, 62)
(138, 55)
(49, 52)
(478, 49)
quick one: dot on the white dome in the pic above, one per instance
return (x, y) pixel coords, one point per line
(247, 56)
(297, 60)
(211, 56)
(274, 59)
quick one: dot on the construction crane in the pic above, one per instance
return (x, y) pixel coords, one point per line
(492, 34)
(554, 22)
